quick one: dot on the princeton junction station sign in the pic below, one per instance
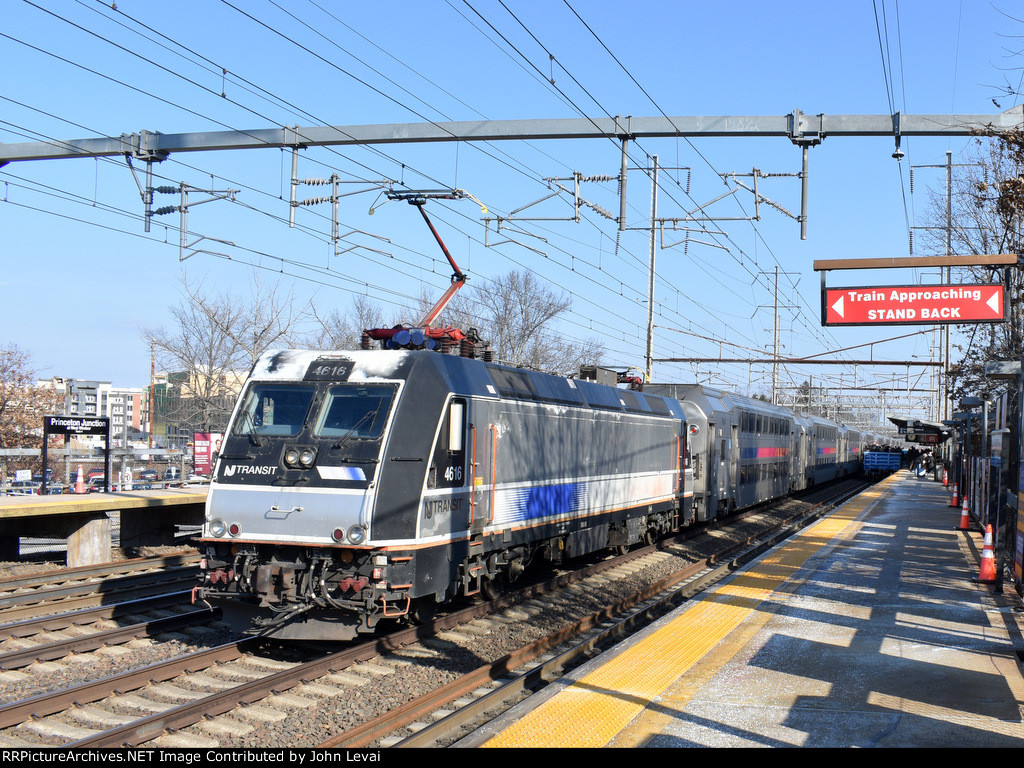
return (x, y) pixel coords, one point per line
(913, 304)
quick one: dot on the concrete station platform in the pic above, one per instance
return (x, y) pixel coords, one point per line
(868, 629)
(147, 518)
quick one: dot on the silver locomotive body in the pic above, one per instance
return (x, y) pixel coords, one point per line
(357, 486)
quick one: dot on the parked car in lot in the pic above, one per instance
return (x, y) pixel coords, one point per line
(94, 473)
(95, 485)
(148, 475)
(172, 473)
(21, 488)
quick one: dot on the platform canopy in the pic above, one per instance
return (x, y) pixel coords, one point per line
(925, 432)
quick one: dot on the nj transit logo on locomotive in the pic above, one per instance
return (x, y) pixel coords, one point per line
(449, 505)
(231, 469)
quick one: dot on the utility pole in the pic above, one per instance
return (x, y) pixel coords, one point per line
(152, 387)
(949, 272)
(775, 340)
(943, 409)
(650, 276)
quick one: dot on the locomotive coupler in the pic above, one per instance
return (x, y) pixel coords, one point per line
(275, 583)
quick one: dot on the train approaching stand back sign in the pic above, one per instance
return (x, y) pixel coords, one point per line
(905, 304)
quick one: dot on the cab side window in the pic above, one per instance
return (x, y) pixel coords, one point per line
(448, 468)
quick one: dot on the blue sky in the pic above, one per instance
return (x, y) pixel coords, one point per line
(81, 278)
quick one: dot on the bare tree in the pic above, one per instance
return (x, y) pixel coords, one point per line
(213, 343)
(23, 404)
(268, 319)
(517, 312)
(344, 331)
(987, 217)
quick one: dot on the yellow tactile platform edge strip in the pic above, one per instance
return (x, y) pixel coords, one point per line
(592, 710)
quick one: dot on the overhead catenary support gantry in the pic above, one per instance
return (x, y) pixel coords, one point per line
(802, 129)
(796, 126)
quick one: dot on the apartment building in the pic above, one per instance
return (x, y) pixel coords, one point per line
(124, 406)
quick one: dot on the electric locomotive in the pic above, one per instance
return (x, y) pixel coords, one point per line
(354, 487)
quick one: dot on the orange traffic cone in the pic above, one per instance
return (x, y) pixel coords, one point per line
(80, 483)
(955, 501)
(945, 478)
(988, 560)
(965, 519)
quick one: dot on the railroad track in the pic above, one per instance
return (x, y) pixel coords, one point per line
(247, 692)
(69, 589)
(37, 581)
(95, 629)
(85, 617)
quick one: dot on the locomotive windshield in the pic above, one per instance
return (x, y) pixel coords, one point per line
(355, 411)
(274, 410)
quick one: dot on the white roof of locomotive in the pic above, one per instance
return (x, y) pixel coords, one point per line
(292, 364)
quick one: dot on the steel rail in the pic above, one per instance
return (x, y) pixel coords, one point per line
(106, 586)
(43, 580)
(57, 701)
(56, 622)
(146, 729)
(90, 642)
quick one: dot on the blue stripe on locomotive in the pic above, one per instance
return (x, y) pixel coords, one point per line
(545, 501)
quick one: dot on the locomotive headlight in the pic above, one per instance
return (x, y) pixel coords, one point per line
(306, 457)
(291, 457)
(357, 534)
(217, 528)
